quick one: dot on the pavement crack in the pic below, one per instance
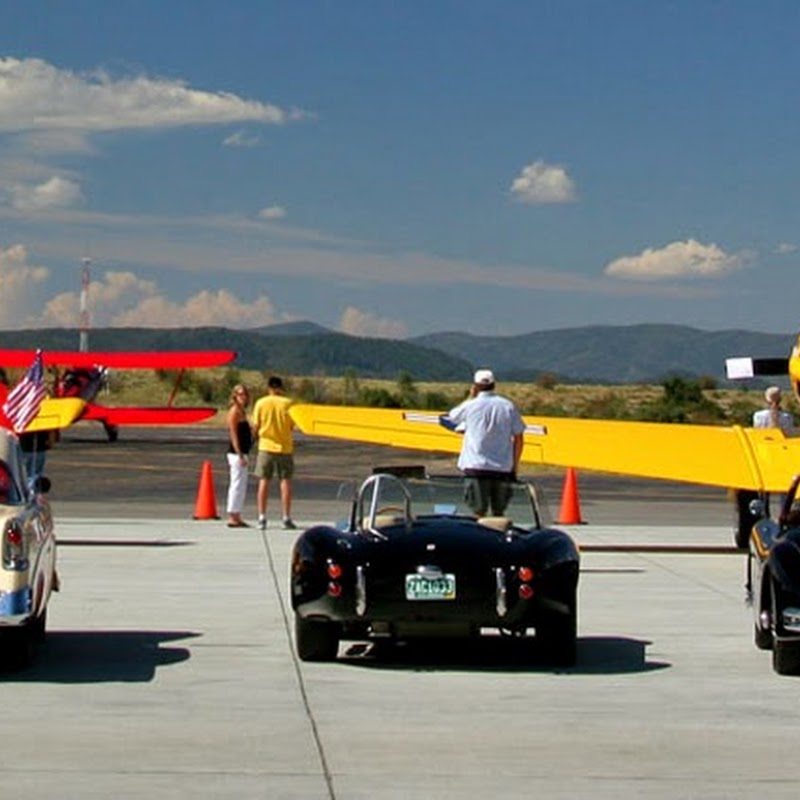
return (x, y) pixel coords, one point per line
(297, 670)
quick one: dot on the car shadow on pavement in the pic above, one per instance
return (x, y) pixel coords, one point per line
(596, 655)
(101, 656)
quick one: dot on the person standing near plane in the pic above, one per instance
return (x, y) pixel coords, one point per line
(240, 441)
(492, 445)
(273, 426)
(773, 416)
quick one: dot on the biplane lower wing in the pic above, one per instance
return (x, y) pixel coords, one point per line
(164, 415)
(56, 413)
(729, 457)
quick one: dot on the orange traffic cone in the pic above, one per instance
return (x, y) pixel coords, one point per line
(205, 506)
(570, 505)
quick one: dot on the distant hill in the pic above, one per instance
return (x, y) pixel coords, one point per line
(313, 351)
(591, 354)
(610, 354)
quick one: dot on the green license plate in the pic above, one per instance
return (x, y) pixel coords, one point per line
(422, 587)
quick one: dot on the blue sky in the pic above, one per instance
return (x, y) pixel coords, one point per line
(399, 168)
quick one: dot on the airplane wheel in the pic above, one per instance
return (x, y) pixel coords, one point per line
(317, 640)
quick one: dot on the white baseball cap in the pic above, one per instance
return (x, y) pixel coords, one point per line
(483, 377)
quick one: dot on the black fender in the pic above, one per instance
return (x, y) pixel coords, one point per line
(784, 563)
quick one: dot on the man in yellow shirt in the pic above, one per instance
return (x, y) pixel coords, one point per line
(273, 428)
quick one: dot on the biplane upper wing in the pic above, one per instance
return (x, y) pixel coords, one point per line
(62, 411)
(730, 457)
(128, 359)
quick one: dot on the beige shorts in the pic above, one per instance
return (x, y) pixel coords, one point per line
(270, 464)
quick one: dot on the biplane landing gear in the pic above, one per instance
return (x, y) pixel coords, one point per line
(112, 432)
(744, 518)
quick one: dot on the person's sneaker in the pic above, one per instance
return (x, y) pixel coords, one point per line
(288, 525)
(262, 523)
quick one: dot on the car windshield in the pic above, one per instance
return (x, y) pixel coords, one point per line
(418, 495)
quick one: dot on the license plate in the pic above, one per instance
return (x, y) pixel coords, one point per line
(422, 587)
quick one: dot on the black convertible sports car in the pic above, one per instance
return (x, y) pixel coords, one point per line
(411, 562)
(773, 582)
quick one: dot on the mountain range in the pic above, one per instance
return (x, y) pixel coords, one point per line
(645, 353)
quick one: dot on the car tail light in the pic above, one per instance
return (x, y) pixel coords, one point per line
(525, 575)
(334, 570)
(15, 556)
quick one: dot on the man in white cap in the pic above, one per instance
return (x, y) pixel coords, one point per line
(492, 445)
(773, 416)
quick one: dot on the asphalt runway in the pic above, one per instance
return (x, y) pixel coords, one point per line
(169, 669)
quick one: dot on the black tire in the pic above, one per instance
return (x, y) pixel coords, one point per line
(19, 647)
(38, 627)
(786, 657)
(762, 637)
(557, 638)
(785, 652)
(316, 639)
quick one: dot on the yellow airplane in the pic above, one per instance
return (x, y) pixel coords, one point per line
(732, 457)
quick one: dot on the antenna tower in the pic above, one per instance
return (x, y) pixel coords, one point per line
(84, 317)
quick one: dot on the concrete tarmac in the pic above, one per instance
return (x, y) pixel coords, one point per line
(169, 669)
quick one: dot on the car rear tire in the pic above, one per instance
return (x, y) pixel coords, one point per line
(785, 652)
(38, 627)
(316, 639)
(556, 638)
(786, 657)
(18, 647)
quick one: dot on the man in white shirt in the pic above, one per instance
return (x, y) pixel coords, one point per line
(773, 416)
(492, 445)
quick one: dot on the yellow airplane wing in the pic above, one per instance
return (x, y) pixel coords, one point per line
(56, 413)
(730, 457)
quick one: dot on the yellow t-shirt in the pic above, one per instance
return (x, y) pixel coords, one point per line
(273, 425)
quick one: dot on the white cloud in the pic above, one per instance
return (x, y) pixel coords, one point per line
(785, 249)
(18, 280)
(540, 183)
(36, 96)
(241, 139)
(272, 212)
(676, 260)
(121, 299)
(362, 323)
(56, 192)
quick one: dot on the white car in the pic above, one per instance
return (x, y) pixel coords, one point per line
(28, 569)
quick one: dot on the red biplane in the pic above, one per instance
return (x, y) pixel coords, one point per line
(79, 376)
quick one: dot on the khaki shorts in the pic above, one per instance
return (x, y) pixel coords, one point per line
(270, 464)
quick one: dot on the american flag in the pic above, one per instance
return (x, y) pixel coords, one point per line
(23, 401)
